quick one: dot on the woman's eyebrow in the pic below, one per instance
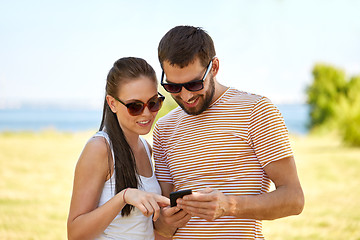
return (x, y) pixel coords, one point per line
(134, 100)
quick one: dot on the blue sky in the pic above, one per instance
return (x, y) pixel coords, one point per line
(59, 52)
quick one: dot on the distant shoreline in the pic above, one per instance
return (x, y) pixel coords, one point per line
(79, 120)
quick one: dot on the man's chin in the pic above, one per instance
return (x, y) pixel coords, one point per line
(191, 111)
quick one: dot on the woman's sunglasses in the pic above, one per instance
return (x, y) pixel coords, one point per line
(136, 108)
(191, 86)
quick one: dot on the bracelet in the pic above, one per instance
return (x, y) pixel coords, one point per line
(124, 195)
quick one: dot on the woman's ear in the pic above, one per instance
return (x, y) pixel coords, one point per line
(111, 102)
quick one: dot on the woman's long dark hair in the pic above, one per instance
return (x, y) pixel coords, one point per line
(123, 71)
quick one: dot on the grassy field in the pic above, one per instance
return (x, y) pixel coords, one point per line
(36, 177)
(329, 175)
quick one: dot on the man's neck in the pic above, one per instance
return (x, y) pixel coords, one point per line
(219, 91)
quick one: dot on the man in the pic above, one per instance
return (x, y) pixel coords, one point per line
(224, 144)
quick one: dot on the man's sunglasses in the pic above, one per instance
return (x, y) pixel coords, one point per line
(191, 86)
(136, 108)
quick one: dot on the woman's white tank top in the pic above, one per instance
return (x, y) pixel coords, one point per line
(136, 225)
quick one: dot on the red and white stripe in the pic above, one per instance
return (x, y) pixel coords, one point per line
(225, 148)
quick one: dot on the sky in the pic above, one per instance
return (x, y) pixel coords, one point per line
(59, 52)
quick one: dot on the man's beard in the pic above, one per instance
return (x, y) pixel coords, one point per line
(207, 100)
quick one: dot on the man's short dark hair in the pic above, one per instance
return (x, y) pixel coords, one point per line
(182, 44)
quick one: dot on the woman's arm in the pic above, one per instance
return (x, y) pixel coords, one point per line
(86, 220)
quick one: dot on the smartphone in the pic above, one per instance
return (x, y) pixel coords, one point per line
(178, 194)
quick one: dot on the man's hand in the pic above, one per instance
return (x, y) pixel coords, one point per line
(171, 218)
(208, 204)
(287, 199)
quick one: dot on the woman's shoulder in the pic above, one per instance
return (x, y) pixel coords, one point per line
(97, 144)
(95, 154)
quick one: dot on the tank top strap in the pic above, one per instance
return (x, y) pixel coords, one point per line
(106, 136)
(147, 150)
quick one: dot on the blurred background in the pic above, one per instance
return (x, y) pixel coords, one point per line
(55, 55)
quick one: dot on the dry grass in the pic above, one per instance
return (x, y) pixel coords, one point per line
(36, 182)
(329, 175)
(37, 172)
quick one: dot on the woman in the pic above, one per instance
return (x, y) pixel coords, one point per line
(115, 190)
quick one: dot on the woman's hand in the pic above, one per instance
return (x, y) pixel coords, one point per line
(148, 203)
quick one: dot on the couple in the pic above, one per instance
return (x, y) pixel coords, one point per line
(224, 144)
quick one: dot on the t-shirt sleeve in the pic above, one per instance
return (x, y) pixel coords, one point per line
(268, 134)
(162, 171)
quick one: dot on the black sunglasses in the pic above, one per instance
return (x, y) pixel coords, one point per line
(191, 86)
(136, 108)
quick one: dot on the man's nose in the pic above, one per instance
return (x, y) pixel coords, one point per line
(186, 95)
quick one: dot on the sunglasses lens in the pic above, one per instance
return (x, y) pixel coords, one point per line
(194, 86)
(172, 88)
(135, 108)
(155, 105)
(190, 86)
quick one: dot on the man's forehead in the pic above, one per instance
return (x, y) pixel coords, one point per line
(195, 62)
(176, 74)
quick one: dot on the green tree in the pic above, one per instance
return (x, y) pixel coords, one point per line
(348, 112)
(335, 103)
(327, 88)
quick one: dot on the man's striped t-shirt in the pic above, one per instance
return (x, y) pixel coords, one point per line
(225, 148)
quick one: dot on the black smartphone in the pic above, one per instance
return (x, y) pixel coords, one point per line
(178, 194)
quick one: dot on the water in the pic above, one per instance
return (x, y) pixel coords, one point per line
(35, 119)
(296, 117)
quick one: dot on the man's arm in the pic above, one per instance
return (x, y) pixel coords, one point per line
(287, 199)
